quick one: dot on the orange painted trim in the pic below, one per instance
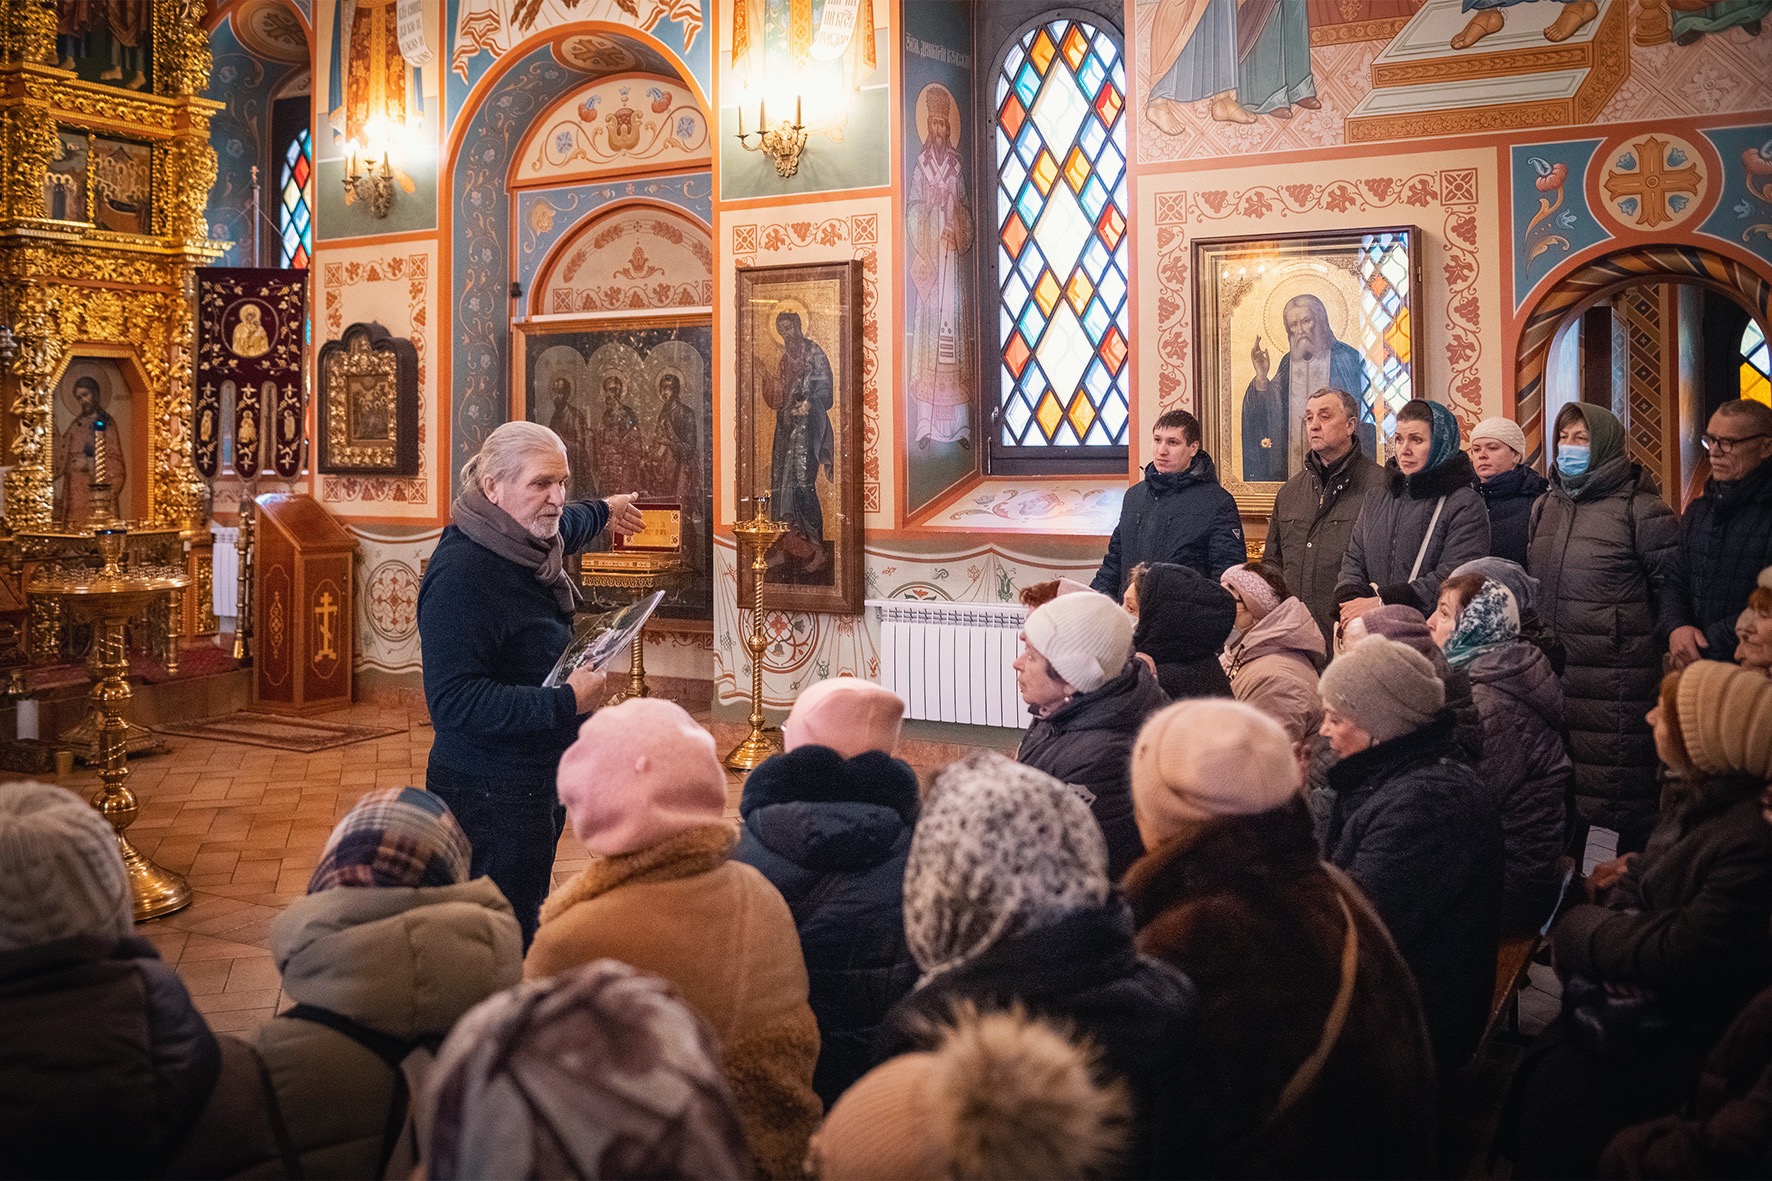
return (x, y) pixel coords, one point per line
(227, 8)
(380, 239)
(824, 197)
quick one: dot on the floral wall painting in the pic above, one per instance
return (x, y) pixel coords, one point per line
(800, 428)
(633, 403)
(940, 253)
(1280, 318)
(1743, 214)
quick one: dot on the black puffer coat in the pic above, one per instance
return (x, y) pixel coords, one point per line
(1509, 498)
(1084, 970)
(108, 1070)
(832, 835)
(1183, 620)
(1087, 744)
(1247, 910)
(1182, 517)
(1526, 763)
(1606, 566)
(1421, 835)
(1392, 524)
(1725, 541)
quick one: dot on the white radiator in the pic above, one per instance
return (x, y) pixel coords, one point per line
(951, 662)
(224, 585)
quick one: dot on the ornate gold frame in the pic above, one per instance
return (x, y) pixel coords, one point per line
(68, 286)
(368, 350)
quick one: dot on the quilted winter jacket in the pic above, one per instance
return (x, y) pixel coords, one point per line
(405, 962)
(1393, 523)
(1274, 668)
(1509, 498)
(1725, 541)
(832, 835)
(1526, 764)
(1606, 565)
(1182, 517)
(1313, 522)
(1087, 744)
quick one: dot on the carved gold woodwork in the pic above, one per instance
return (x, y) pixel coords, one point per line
(68, 288)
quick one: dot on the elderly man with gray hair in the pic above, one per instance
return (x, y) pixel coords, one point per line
(494, 614)
(1726, 534)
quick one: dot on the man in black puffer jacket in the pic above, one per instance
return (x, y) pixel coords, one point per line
(1726, 535)
(829, 823)
(1178, 513)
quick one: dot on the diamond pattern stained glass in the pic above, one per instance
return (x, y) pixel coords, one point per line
(295, 218)
(1384, 321)
(1061, 223)
(1756, 364)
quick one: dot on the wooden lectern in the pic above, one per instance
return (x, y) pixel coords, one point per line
(301, 610)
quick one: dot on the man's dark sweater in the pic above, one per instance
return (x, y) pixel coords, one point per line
(490, 633)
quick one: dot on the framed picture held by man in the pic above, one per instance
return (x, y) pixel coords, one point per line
(800, 429)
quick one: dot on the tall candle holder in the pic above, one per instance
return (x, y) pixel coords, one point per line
(761, 532)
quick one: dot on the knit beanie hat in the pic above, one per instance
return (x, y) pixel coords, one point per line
(399, 836)
(1502, 430)
(1725, 719)
(1207, 757)
(1253, 589)
(1086, 638)
(1000, 849)
(61, 874)
(847, 714)
(1408, 627)
(1385, 688)
(1001, 1096)
(639, 772)
(598, 1072)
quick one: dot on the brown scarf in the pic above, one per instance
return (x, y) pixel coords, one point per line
(490, 526)
(693, 851)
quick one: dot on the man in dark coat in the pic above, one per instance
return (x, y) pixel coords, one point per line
(1183, 622)
(1178, 513)
(1314, 513)
(1726, 536)
(494, 614)
(1508, 486)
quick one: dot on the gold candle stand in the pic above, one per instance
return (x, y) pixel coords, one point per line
(761, 532)
(109, 599)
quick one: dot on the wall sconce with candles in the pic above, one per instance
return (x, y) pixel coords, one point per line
(368, 182)
(782, 143)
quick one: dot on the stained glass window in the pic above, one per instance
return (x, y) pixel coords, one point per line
(1061, 237)
(1385, 331)
(295, 219)
(1756, 364)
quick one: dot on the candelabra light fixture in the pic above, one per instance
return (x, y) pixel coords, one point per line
(368, 181)
(782, 142)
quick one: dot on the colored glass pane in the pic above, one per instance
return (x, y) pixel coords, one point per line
(1062, 301)
(295, 201)
(1756, 364)
(1381, 331)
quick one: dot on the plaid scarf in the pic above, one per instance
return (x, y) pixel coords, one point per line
(400, 836)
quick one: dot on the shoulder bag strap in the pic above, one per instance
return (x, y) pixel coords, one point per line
(1305, 1077)
(391, 1050)
(1421, 554)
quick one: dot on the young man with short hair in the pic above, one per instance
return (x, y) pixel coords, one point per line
(1178, 513)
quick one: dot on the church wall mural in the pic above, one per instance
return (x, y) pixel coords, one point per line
(245, 80)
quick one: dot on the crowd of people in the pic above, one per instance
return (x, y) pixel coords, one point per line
(1234, 909)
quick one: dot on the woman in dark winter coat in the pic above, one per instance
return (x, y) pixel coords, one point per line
(1183, 619)
(1007, 903)
(1604, 549)
(107, 1069)
(1533, 629)
(1416, 829)
(1675, 942)
(1311, 1047)
(1524, 759)
(1427, 521)
(829, 823)
(1508, 486)
(1088, 697)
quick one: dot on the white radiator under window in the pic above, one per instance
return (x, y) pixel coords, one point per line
(952, 662)
(224, 590)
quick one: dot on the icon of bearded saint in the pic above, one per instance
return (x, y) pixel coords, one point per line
(1273, 404)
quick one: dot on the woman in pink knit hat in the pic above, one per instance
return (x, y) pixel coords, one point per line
(646, 795)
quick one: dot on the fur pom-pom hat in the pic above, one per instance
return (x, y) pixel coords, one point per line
(1001, 1096)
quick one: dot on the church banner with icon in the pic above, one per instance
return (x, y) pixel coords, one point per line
(248, 407)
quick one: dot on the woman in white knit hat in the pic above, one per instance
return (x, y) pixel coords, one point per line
(1509, 485)
(1088, 697)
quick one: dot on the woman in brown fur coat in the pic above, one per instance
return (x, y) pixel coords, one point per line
(1311, 1036)
(645, 793)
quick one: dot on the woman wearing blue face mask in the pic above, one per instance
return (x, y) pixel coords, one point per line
(1603, 546)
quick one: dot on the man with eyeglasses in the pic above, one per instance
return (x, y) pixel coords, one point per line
(1726, 534)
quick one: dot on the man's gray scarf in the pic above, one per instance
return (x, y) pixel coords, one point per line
(490, 526)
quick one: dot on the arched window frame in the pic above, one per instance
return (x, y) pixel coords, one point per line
(998, 30)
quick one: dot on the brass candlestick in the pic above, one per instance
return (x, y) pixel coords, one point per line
(763, 741)
(109, 599)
